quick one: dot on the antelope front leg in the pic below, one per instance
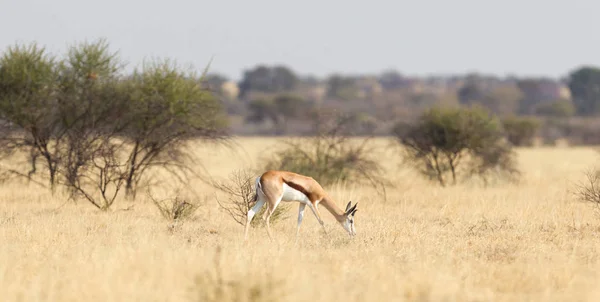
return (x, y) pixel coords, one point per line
(322, 223)
(318, 215)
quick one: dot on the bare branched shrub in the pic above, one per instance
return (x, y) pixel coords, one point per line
(240, 198)
(214, 286)
(589, 190)
(240, 194)
(175, 209)
(98, 179)
(332, 155)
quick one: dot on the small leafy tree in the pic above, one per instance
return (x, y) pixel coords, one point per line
(448, 142)
(166, 108)
(520, 131)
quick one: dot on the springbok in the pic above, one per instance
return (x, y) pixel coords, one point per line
(273, 187)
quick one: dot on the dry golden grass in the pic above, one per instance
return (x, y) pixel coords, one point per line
(528, 242)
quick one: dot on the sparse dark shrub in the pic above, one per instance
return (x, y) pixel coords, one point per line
(175, 209)
(332, 155)
(456, 143)
(520, 131)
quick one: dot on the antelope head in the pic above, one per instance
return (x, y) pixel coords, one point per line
(348, 223)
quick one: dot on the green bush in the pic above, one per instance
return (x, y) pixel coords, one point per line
(456, 143)
(520, 131)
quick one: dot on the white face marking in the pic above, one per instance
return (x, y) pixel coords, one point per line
(348, 225)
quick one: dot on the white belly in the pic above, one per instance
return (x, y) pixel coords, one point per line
(291, 194)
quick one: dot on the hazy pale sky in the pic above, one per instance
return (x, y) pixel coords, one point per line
(520, 37)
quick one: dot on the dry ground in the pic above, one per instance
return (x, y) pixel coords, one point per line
(531, 242)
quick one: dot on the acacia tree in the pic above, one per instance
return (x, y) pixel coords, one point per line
(28, 99)
(97, 130)
(166, 108)
(90, 107)
(64, 111)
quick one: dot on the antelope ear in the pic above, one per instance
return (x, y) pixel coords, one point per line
(348, 206)
(354, 212)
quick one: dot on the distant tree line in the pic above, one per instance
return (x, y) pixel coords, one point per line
(563, 107)
(504, 96)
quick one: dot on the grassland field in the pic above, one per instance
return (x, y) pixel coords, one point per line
(531, 241)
